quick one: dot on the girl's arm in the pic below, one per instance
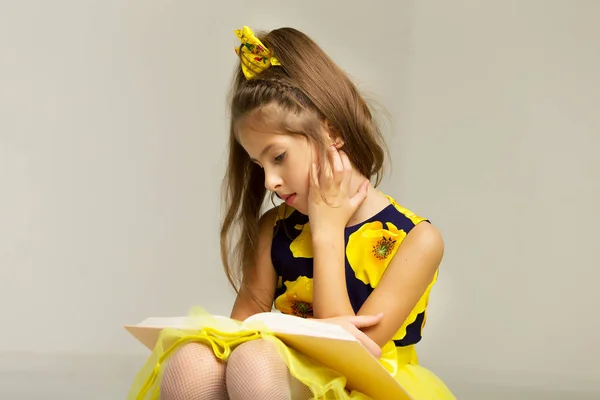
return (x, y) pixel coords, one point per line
(257, 292)
(329, 274)
(404, 281)
(406, 277)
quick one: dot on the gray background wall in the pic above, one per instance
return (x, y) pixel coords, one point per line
(112, 146)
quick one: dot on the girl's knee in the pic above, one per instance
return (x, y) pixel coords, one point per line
(257, 355)
(256, 370)
(194, 356)
(192, 371)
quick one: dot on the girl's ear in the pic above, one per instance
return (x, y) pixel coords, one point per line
(335, 138)
(338, 143)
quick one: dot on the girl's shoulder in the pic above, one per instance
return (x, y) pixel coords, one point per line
(394, 217)
(404, 213)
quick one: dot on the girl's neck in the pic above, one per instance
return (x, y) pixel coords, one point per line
(373, 203)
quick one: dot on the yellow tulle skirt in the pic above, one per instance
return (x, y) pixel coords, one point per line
(223, 336)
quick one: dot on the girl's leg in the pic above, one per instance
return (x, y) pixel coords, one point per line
(194, 373)
(255, 371)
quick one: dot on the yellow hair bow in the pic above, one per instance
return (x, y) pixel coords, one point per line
(255, 57)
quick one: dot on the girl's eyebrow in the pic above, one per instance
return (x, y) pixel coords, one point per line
(264, 151)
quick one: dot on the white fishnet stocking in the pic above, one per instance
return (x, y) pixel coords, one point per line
(255, 371)
(194, 373)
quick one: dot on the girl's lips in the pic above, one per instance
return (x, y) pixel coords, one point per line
(289, 199)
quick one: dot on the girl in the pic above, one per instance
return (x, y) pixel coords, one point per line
(336, 249)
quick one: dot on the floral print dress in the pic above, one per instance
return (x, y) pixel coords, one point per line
(370, 247)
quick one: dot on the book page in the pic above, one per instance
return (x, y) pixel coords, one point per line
(189, 322)
(288, 324)
(168, 322)
(148, 331)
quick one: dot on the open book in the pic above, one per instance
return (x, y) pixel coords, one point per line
(329, 344)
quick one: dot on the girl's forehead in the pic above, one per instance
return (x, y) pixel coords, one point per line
(255, 125)
(269, 118)
(275, 119)
(256, 140)
(247, 135)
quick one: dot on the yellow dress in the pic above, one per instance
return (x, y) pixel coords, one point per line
(370, 246)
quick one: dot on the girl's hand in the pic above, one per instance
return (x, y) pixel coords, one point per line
(330, 202)
(352, 324)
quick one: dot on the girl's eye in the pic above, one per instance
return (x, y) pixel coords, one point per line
(280, 157)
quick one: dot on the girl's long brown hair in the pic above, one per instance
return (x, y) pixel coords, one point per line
(307, 89)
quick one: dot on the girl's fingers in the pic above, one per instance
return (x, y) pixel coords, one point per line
(326, 172)
(352, 324)
(337, 166)
(365, 321)
(314, 176)
(361, 193)
(366, 341)
(347, 168)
